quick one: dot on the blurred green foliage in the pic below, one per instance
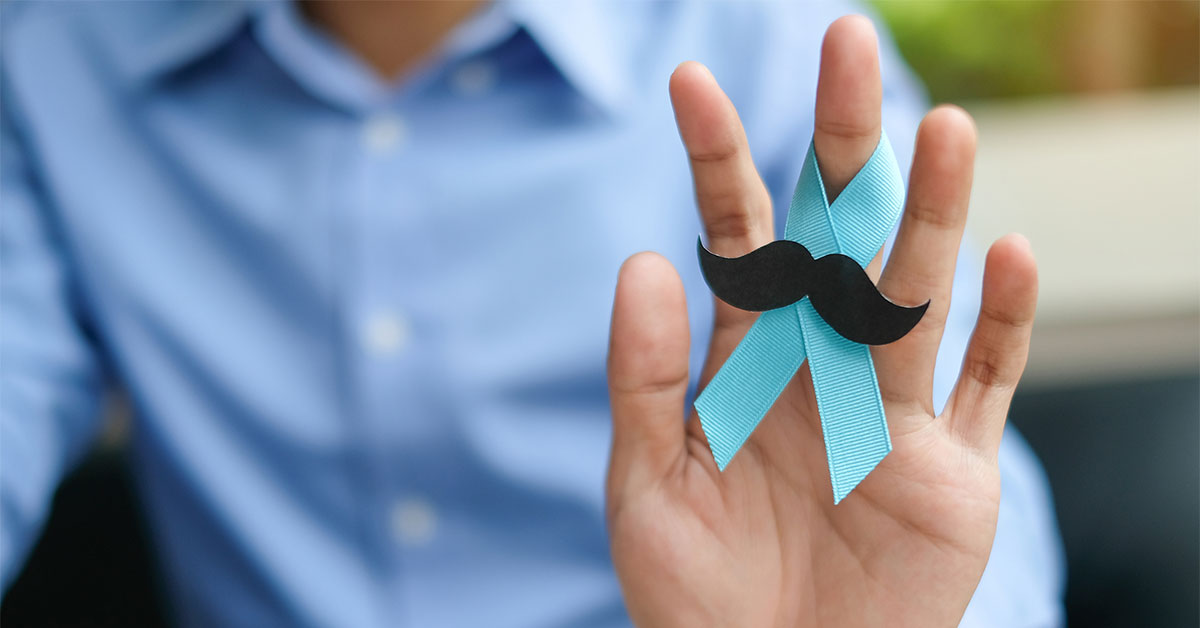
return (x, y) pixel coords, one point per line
(988, 49)
(978, 49)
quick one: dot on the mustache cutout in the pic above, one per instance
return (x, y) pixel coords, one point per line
(782, 272)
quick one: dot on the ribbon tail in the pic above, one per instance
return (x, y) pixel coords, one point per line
(745, 388)
(848, 398)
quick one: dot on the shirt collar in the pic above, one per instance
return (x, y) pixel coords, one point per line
(162, 37)
(587, 44)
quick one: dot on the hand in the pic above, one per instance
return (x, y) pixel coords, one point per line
(762, 543)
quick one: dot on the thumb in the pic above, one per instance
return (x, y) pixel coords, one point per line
(647, 373)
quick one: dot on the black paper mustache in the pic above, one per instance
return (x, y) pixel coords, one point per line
(783, 272)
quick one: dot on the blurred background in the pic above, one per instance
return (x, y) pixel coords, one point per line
(1089, 127)
(1089, 124)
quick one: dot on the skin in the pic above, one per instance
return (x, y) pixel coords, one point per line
(762, 543)
(390, 37)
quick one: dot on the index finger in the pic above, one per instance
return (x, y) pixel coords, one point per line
(734, 203)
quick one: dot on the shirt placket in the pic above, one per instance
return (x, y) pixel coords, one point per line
(384, 324)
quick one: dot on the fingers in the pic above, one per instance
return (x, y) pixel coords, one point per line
(647, 372)
(846, 132)
(734, 203)
(849, 97)
(735, 206)
(999, 346)
(921, 266)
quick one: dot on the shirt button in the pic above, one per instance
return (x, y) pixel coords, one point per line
(474, 78)
(383, 132)
(413, 522)
(385, 333)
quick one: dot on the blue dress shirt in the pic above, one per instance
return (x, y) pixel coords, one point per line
(363, 325)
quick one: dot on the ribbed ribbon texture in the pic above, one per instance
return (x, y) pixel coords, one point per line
(852, 418)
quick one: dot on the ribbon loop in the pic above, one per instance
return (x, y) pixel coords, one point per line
(853, 423)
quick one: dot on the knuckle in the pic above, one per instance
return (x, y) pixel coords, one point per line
(941, 218)
(847, 130)
(650, 387)
(721, 153)
(732, 224)
(1008, 319)
(987, 372)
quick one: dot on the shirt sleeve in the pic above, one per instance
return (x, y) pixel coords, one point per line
(50, 380)
(1022, 585)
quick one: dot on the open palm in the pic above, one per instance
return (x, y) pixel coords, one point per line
(762, 544)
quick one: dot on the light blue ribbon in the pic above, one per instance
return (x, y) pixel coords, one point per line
(852, 418)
